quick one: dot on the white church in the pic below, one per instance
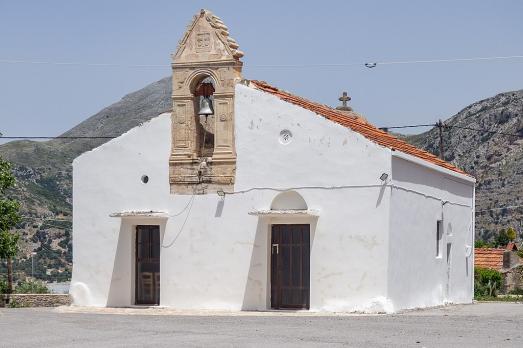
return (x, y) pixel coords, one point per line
(247, 197)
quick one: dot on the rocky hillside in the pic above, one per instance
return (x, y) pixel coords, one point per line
(44, 177)
(496, 160)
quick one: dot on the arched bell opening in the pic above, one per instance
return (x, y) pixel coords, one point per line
(203, 91)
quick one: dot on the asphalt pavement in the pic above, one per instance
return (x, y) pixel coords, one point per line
(477, 325)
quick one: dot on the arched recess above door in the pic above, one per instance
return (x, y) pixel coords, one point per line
(289, 200)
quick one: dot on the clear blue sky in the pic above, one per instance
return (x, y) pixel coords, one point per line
(50, 99)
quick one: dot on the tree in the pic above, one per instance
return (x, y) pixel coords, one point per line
(502, 239)
(31, 287)
(9, 217)
(511, 234)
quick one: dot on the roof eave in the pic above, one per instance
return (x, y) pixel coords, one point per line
(465, 177)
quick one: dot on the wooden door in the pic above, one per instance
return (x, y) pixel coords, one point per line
(290, 266)
(147, 265)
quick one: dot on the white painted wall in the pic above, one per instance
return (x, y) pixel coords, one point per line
(215, 254)
(420, 197)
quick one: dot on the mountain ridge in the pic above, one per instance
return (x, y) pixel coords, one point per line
(44, 171)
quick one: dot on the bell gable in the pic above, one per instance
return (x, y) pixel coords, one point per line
(203, 157)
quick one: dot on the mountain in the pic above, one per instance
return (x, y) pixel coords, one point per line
(44, 169)
(44, 174)
(495, 159)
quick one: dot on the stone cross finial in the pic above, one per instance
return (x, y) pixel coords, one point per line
(344, 99)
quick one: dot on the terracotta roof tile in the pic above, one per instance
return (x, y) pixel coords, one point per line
(512, 246)
(489, 258)
(356, 123)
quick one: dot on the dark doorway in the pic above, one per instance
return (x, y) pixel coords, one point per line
(290, 266)
(147, 265)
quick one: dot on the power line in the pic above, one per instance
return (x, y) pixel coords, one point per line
(443, 125)
(370, 65)
(57, 137)
(408, 126)
(382, 128)
(110, 65)
(484, 131)
(449, 60)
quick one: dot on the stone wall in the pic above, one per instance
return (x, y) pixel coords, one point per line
(35, 300)
(513, 279)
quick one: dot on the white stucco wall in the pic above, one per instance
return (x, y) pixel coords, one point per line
(215, 255)
(420, 197)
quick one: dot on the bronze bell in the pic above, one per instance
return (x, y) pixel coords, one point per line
(206, 107)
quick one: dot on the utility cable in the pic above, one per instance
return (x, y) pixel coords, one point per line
(448, 126)
(183, 224)
(484, 131)
(57, 137)
(370, 64)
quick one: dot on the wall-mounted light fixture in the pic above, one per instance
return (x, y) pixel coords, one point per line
(220, 193)
(384, 176)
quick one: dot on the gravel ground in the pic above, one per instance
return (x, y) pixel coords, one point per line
(477, 325)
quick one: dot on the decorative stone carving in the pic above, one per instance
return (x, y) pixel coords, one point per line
(206, 50)
(203, 42)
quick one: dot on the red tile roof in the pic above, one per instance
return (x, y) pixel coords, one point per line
(489, 258)
(512, 246)
(356, 123)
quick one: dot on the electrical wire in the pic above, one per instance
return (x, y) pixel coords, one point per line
(370, 65)
(382, 128)
(110, 65)
(447, 126)
(57, 137)
(408, 126)
(449, 60)
(185, 208)
(183, 225)
(484, 131)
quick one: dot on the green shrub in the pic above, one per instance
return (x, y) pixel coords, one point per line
(31, 287)
(502, 239)
(478, 243)
(516, 291)
(511, 234)
(3, 286)
(14, 304)
(487, 282)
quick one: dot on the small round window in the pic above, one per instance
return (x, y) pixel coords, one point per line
(285, 136)
(145, 179)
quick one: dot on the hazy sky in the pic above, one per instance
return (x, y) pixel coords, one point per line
(49, 99)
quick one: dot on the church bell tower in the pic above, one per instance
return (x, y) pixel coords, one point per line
(206, 67)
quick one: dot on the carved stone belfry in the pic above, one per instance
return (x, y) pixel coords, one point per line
(203, 156)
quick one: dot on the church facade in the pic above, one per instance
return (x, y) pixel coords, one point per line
(246, 197)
